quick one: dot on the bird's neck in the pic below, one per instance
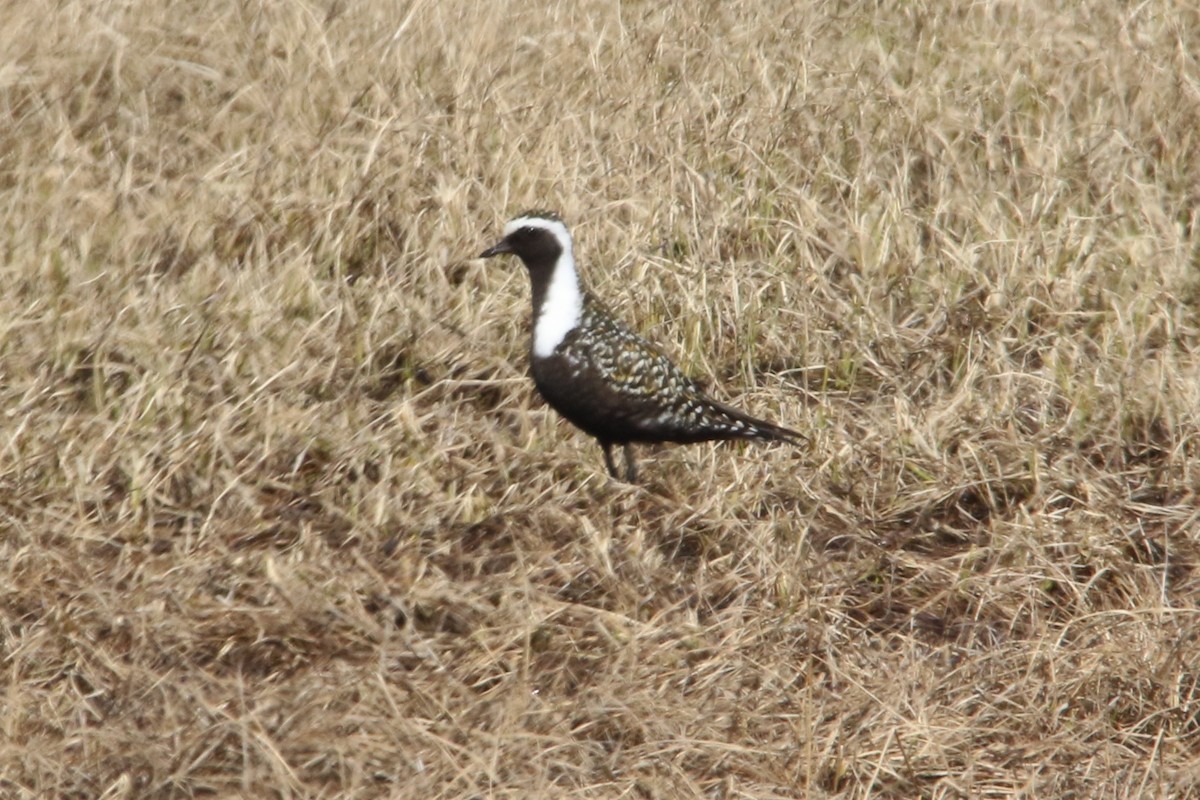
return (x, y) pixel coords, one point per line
(557, 301)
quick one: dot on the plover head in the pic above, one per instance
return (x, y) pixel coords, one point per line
(536, 237)
(541, 240)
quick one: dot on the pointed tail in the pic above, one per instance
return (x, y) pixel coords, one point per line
(745, 426)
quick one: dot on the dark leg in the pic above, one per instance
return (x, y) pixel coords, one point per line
(630, 465)
(608, 459)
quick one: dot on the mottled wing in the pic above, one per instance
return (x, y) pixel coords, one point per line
(645, 394)
(628, 363)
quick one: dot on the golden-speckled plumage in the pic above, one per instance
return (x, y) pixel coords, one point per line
(607, 380)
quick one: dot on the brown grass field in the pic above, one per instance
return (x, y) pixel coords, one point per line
(282, 516)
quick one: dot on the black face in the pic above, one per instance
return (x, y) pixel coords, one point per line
(532, 245)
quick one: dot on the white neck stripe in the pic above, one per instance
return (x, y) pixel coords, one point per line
(562, 306)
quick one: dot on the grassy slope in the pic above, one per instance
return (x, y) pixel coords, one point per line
(280, 515)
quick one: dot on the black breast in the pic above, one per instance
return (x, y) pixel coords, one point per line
(578, 391)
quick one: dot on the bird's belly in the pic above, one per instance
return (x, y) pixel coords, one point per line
(580, 395)
(587, 401)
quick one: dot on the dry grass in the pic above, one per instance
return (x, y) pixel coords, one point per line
(280, 515)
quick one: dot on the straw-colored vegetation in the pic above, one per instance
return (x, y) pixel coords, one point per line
(282, 516)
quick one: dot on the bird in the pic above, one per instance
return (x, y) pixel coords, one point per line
(608, 381)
